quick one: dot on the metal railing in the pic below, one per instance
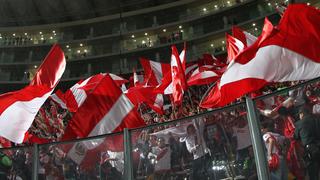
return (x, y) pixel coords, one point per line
(135, 153)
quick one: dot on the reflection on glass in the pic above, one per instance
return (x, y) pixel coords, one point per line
(289, 126)
(214, 146)
(16, 163)
(100, 158)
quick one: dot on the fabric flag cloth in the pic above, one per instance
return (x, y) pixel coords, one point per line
(289, 52)
(33, 139)
(246, 38)
(178, 77)
(74, 97)
(138, 80)
(190, 68)
(202, 76)
(166, 86)
(19, 108)
(58, 97)
(209, 59)
(4, 143)
(117, 79)
(147, 95)
(234, 47)
(154, 71)
(106, 110)
(182, 57)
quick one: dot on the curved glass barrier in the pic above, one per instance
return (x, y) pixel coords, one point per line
(97, 158)
(283, 119)
(214, 144)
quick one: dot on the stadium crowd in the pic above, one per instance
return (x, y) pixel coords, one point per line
(188, 142)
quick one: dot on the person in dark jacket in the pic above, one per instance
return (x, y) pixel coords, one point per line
(308, 132)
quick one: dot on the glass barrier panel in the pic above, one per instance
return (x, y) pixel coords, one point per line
(16, 163)
(212, 146)
(88, 159)
(289, 127)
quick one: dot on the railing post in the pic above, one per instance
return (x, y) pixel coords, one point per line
(256, 139)
(35, 163)
(128, 170)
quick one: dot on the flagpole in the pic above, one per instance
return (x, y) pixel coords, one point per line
(256, 138)
(189, 94)
(173, 107)
(207, 92)
(173, 110)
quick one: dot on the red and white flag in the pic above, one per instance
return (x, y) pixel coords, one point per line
(106, 110)
(74, 97)
(190, 68)
(203, 75)
(246, 38)
(166, 86)
(58, 97)
(234, 47)
(4, 143)
(209, 59)
(289, 52)
(19, 108)
(182, 56)
(154, 71)
(138, 80)
(147, 95)
(179, 84)
(118, 80)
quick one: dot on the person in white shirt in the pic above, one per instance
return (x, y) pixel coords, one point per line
(242, 135)
(195, 144)
(273, 142)
(162, 155)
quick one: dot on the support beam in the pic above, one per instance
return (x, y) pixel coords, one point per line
(35, 163)
(256, 139)
(128, 169)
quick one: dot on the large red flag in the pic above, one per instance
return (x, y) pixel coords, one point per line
(154, 71)
(74, 97)
(286, 53)
(166, 86)
(147, 95)
(105, 110)
(18, 109)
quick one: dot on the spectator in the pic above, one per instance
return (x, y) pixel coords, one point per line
(273, 143)
(249, 166)
(196, 146)
(307, 131)
(163, 160)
